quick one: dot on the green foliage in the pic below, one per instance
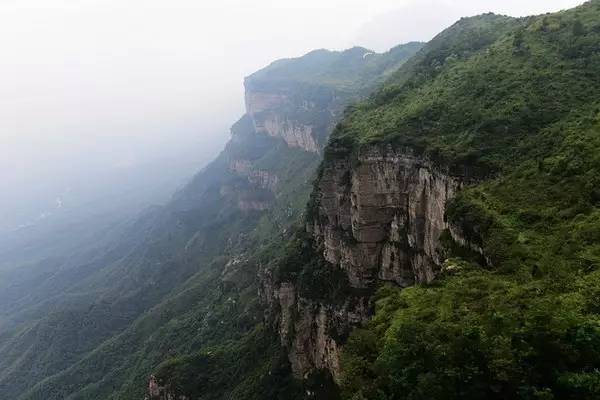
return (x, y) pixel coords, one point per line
(511, 104)
(182, 280)
(314, 277)
(319, 85)
(477, 335)
(250, 368)
(351, 71)
(468, 101)
(520, 113)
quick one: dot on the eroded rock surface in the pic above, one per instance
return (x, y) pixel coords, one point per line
(382, 218)
(301, 117)
(378, 216)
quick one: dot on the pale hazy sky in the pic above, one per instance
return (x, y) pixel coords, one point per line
(90, 84)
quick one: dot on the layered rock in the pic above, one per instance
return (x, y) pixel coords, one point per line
(318, 333)
(260, 101)
(253, 187)
(294, 133)
(378, 217)
(382, 218)
(274, 113)
(300, 115)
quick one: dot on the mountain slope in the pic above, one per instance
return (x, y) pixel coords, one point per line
(179, 285)
(449, 249)
(469, 182)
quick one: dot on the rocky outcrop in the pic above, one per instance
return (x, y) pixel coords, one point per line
(292, 132)
(260, 101)
(319, 330)
(290, 113)
(264, 179)
(382, 218)
(275, 113)
(378, 216)
(240, 167)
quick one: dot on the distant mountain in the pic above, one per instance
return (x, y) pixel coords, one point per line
(180, 280)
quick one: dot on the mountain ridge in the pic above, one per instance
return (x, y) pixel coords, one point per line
(174, 265)
(447, 247)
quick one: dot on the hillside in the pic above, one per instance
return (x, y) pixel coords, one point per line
(459, 203)
(177, 288)
(418, 224)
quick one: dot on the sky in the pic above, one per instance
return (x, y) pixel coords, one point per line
(92, 87)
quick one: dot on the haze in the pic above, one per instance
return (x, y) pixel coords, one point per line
(134, 96)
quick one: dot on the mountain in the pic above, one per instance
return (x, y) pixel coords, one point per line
(458, 204)
(418, 224)
(178, 285)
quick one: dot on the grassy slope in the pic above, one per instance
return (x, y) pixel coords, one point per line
(524, 109)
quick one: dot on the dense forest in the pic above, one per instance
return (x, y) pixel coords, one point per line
(514, 102)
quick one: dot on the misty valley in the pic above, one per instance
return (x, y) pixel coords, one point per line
(421, 223)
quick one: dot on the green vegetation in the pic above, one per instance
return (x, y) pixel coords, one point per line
(476, 107)
(175, 293)
(522, 114)
(253, 365)
(478, 335)
(322, 83)
(513, 105)
(352, 71)
(315, 278)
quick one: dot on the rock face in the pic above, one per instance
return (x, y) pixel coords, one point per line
(258, 177)
(382, 218)
(319, 330)
(277, 113)
(300, 116)
(255, 138)
(378, 217)
(294, 133)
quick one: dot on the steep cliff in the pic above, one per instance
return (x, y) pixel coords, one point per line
(382, 217)
(377, 216)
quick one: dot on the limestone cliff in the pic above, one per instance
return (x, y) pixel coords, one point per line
(295, 115)
(382, 218)
(377, 216)
(300, 117)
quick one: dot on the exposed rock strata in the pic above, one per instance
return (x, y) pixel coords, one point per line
(382, 218)
(378, 217)
(272, 113)
(298, 121)
(293, 133)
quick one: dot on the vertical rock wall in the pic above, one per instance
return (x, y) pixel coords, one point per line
(381, 218)
(378, 216)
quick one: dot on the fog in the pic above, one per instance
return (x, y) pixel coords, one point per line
(129, 98)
